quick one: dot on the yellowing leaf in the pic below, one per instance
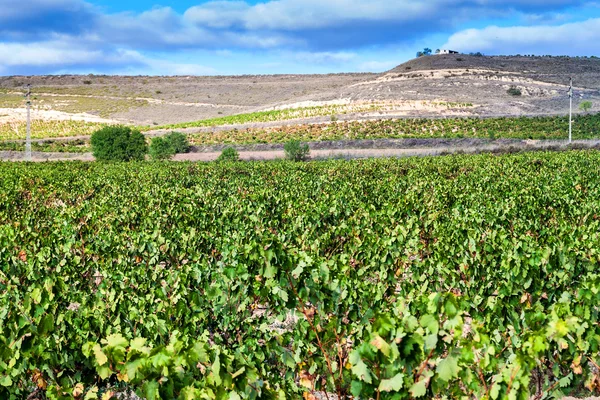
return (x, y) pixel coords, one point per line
(381, 345)
(101, 358)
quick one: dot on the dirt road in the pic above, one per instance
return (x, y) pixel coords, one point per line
(350, 149)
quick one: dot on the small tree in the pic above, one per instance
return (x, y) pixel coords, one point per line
(296, 151)
(229, 154)
(585, 106)
(161, 149)
(178, 141)
(427, 51)
(118, 143)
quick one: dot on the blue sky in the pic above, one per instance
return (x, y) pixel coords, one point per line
(192, 37)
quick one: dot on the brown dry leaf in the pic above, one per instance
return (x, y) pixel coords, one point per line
(23, 256)
(109, 394)
(39, 380)
(78, 390)
(309, 396)
(576, 366)
(306, 380)
(123, 377)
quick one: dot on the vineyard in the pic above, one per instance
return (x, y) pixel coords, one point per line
(43, 129)
(452, 277)
(584, 127)
(306, 112)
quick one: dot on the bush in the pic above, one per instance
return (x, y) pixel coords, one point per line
(229, 154)
(161, 149)
(514, 91)
(296, 151)
(178, 141)
(118, 143)
(585, 106)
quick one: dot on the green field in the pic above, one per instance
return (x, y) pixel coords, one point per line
(449, 277)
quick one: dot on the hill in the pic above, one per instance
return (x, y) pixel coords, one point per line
(586, 71)
(441, 85)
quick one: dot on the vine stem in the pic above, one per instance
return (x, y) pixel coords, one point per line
(423, 364)
(512, 378)
(316, 332)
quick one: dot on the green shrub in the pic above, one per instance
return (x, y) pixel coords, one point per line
(161, 149)
(296, 151)
(585, 106)
(178, 141)
(514, 91)
(229, 154)
(118, 143)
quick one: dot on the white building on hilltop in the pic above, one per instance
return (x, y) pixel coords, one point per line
(448, 52)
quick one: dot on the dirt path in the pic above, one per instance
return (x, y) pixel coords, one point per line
(398, 148)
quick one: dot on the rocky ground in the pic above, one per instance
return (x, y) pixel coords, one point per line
(481, 82)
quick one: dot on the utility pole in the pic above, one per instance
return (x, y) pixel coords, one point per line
(570, 110)
(28, 140)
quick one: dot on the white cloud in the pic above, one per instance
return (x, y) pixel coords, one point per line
(576, 38)
(45, 54)
(289, 15)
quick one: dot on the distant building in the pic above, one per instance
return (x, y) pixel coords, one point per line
(448, 52)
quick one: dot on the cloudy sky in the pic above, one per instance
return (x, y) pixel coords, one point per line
(154, 37)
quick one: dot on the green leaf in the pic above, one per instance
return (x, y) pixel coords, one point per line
(393, 384)
(92, 394)
(6, 381)
(418, 389)
(566, 381)
(495, 391)
(431, 323)
(447, 369)
(297, 272)
(150, 389)
(46, 324)
(132, 368)
(104, 371)
(117, 340)
(361, 371)
(160, 359)
(270, 271)
(216, 371)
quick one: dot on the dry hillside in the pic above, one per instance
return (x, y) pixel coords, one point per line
(428, 86)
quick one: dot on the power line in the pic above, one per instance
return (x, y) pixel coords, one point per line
(28, 140)
(570, 109)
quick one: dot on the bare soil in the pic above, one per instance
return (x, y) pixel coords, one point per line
(480, 81)
(382, 148)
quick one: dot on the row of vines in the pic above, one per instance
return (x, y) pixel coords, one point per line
(584, 127)
(452, 277)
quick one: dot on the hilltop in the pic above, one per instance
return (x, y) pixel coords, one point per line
(586, 71)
